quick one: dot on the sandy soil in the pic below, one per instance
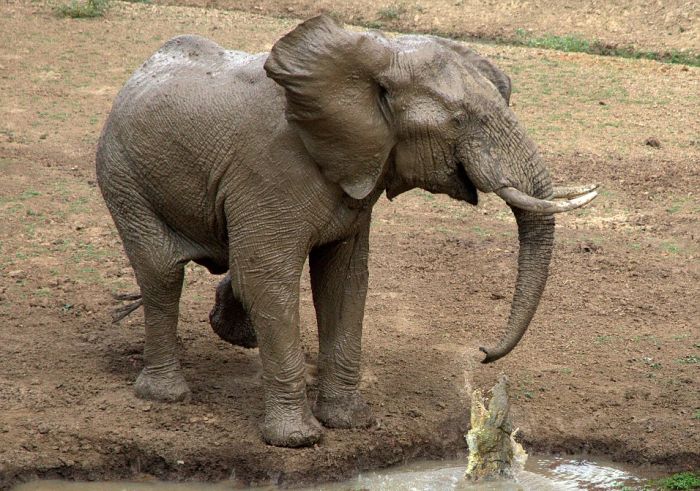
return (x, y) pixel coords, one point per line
(647, 25)
(610, 365)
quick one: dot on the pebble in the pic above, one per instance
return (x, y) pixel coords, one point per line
(653, 142)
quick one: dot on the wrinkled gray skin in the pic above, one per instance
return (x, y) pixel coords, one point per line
(253, 163)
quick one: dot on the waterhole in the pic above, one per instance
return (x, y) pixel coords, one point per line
(541, 473)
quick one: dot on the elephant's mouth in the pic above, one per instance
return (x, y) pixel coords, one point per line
(469, 190)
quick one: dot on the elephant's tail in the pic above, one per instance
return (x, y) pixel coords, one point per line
(121, 312)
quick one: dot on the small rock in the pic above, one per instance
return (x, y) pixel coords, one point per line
(43, 429)
(497, 296)
(17, 274)
(90, 338)
(652, 142)
(589, 247)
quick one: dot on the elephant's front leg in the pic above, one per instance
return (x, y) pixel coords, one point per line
(339, 284)
(269, 292)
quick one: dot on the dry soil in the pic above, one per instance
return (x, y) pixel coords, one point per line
(609, 366)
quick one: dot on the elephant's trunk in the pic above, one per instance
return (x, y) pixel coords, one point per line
(536, 236)
(506, 162)
(521, 164)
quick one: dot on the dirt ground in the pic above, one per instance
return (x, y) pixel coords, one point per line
(609, 367)
(646, 25)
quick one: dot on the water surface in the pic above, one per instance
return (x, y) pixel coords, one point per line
(541, 473)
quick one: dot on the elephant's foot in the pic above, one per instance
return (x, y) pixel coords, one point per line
(291, 429)
(345, 411)
(162, 385)
(229, 320)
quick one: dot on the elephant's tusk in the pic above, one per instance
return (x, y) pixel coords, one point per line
(572, 191)
(521, 200)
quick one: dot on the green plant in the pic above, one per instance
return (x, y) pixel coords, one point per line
(603, 339)
(481, 232)
(690, 359)
(671, 248)
(574, 43)
(374, 24)
(29, 193)
(681, 481)
(392, 12)
(79, 10)
(42, 292)
(648, 361)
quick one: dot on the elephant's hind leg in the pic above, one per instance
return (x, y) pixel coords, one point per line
(229, 319)
(158, 264)
(161, 378)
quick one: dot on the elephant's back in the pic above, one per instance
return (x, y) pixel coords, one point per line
(191, 65)
(192, 97)
(194, 55)
(183, 120)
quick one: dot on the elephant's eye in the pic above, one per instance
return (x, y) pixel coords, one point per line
(459, 119)
(383, 93)
(384, 106)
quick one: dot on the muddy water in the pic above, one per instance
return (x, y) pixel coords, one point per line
(541, 473)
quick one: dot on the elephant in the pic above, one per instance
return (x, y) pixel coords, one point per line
(250, 164)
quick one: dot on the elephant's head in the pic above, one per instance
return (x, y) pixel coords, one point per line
(418, 111)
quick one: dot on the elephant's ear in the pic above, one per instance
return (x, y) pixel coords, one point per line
(485, 66)
(334, 101)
